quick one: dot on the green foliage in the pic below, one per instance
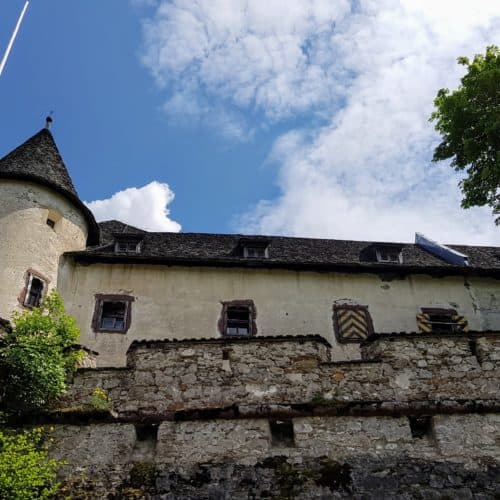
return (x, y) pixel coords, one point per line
(100, 400)
(78, 487)
(334, 475)
(143, 475)
(26, 472)
(292, 479)
(36, 357)
(140, 482)
(469, 122)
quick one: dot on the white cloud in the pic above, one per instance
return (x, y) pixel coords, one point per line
(145, 207)
(371, 70)
(266, 54)
(187, 109)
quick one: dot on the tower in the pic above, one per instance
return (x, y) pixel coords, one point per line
(41, 217)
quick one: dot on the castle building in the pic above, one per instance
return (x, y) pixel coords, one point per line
(240, 367)
(125, 284)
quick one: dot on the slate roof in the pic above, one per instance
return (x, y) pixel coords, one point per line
(38, 160)
(202, 249)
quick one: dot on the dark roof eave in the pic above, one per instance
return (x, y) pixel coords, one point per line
(93, 227)
(386, 269)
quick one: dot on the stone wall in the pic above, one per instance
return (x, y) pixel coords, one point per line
(330, 457)
(275, 418)
(167, 379)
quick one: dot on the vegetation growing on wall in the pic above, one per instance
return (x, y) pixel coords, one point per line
(26, 472)
(36, 358)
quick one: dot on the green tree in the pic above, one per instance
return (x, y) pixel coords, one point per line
(469, 122)
(26, 471)
(36, 357)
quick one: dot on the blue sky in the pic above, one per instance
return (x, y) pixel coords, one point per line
(301, 118)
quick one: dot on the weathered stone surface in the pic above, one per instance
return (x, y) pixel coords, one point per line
(416, 418)
(163, 380)
(333, 457)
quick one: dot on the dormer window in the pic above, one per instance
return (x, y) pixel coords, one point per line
(385, 253)
(252, 248)
(255, 252)
(128, 243)
(128, 247)
(389, 255)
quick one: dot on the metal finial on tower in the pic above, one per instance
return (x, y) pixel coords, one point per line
(48, 121)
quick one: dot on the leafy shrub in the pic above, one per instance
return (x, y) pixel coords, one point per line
(100, 400)
(26, 472)
(35, 357)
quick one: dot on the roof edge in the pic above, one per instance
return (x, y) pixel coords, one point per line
(389, 271)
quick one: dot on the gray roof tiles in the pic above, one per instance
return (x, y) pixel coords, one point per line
(38, 160)
(283, 252)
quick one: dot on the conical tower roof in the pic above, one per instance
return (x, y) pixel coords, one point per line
(38, 160)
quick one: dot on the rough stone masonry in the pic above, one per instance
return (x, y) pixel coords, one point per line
(417, 417)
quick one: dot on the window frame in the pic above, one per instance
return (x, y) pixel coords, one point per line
(248, 248)
(100, 299)
(25, 292)
(388, 250)
(136, 250)
(52, 219)
(353, 307)
(458, 325)
(252, 313)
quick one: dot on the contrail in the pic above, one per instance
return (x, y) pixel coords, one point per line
(13, 37)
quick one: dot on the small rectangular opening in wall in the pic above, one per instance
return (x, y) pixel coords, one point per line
(282, 435)
(473, 347)
(420, 426)
(146, 432)
(146, 439)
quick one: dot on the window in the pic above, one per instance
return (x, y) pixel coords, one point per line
(255, 252)
(252, 248)
(434, 320)
(128, 247)
(238, 319)
(282, 435)
(112, 313)
(53, 217)
(420, 426)
(389, 255)
(34, 292)
(352, 323)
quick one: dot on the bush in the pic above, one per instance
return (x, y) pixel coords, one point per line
(35, 357)
(100, 400)
(26, 472)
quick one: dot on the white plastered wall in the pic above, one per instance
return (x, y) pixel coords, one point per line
(27, 242)
(185, 302)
